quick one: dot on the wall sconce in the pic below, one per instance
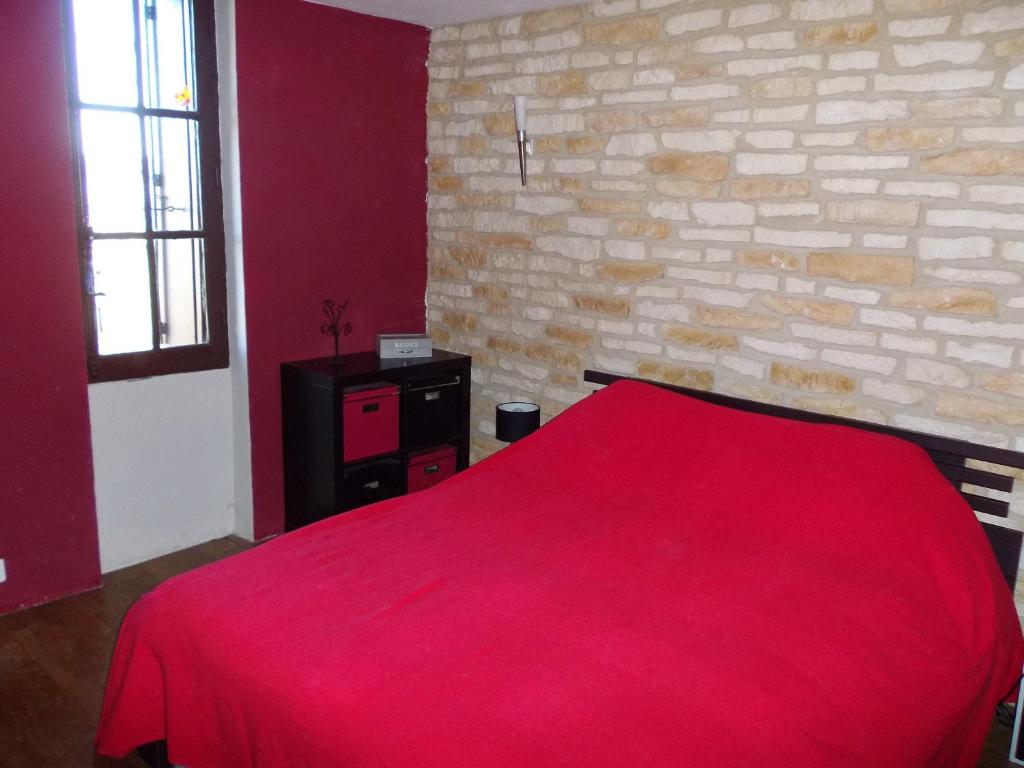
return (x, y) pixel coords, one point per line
(516, 420)
(525, 144)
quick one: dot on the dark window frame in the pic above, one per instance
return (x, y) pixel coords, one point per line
(183, 359)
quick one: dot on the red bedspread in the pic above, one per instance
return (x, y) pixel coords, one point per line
(647, 581)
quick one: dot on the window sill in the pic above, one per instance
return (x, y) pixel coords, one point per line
(144, 365)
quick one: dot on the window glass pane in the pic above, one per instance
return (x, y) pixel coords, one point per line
(105, 49)
(112, 150)
(170, 67)
(120, 271)
(174, 173)
(181, 281)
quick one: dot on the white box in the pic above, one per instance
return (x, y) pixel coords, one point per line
(392, 345)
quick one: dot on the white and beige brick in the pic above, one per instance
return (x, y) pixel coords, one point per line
(810, 202)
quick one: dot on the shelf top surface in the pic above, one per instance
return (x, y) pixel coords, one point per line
(363, 363)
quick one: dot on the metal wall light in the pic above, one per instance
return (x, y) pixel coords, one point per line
(525, 144)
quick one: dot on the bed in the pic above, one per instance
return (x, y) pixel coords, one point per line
(650, 579)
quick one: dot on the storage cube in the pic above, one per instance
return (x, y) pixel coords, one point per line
(372, 481)
(430, 467)
(432, 409)
(344, 443)
(370, 418)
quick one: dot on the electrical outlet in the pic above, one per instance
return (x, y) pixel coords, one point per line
(3, 571)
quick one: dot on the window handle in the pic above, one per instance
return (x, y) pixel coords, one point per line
(91, 290)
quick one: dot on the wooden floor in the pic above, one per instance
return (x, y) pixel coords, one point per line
(53, 664)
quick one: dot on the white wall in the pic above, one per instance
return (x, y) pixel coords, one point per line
(232, 188)
(163, 455)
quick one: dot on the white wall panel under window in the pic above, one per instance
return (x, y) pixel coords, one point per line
(163, 458)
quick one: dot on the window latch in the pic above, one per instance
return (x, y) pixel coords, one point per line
(91, 287)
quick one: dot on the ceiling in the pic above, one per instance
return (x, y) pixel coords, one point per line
(437, 13)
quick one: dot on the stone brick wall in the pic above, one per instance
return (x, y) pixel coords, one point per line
(808, 202)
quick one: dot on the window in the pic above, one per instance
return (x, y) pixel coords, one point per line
(143, 93)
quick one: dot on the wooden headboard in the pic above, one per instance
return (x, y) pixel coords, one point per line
(950, 456)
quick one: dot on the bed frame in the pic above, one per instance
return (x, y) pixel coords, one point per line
(950, 457)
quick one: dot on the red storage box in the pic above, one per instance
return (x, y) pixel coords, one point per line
(430, 467)
(370, 419)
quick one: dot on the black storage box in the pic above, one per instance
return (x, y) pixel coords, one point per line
(373, 481)
(430, 408)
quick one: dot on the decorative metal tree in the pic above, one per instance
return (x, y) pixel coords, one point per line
(334, 327)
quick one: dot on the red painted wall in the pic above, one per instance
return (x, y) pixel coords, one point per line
(47, 509)
(332, 132)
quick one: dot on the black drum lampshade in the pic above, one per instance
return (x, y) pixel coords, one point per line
(516, 420)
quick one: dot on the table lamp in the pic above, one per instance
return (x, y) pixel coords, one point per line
(516, 420)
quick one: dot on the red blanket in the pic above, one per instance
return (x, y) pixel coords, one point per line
(649, 580)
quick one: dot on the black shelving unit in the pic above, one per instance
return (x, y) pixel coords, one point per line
(433, 411)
